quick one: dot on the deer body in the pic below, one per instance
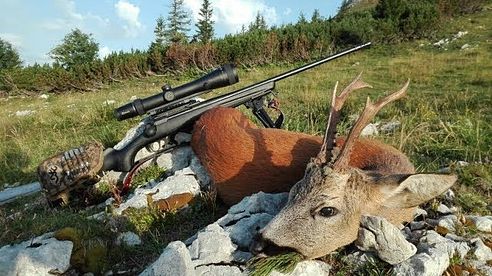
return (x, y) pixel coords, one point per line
(332, 181)
(243, 159)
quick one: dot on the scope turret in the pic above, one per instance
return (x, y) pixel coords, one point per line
(220, 77)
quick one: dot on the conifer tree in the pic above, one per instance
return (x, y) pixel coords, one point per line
(178, 22)
(259, 23)
(160, 31)
(205, 24)
(316, 17)
(302, 18)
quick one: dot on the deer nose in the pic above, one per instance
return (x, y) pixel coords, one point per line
(262, 246)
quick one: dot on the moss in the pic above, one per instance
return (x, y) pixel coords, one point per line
(152, 172)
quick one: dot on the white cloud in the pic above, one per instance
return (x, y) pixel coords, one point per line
(104, 52)
(129, 13)
(13, 39)
(233, 14)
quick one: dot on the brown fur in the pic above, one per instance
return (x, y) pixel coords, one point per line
(243, 159)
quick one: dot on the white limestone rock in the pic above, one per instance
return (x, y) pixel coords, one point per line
(448, 222)
(431, 263)
(38, 256)
(483, 224)
(242, 232)
(218, 270)
(432, 240)
(385, 239)
(174, 260)
(201, 174)
(308, 268)
(212, 245)
(481, 252)
(443, 209)
(181, 182)
(128, 238)
(370, 130)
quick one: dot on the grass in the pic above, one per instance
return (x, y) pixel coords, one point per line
(445, 118)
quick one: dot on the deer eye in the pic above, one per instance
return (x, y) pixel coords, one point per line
(328, 211)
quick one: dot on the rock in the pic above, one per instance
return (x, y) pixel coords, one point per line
(481, 252)
(109, 102)
(244, 230)
(218, 270)
(182, 137)
(212, 245)
(378, 235)
(432, 239)
(174, 260)
(419, 212)
(130, 135)
(181, 182)
(448, 222)
(483, 224)
(443, 209)
(44, 96)
(465, 46)
(460, 34)
(38, 256)
(23, 113)
(260, 203)
(484, 269)
(306, 268)
(370, 130)
(358, 258)
(128, 238)
(390, 127)
(431, 263)
(178, 159)
(417, 225)
(449, 195)
(200, 172)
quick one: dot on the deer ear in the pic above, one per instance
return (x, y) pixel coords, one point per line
(405, 191)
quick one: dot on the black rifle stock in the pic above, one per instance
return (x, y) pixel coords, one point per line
(164, 123)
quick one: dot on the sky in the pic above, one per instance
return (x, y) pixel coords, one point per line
(34, 27)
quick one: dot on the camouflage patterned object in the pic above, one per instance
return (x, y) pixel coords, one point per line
(69, 170)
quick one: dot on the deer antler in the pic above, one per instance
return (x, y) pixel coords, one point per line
(326, 153)
(367, 115)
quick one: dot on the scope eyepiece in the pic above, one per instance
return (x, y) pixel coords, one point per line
(220, 77)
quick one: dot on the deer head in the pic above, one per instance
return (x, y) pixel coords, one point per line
(325, 207)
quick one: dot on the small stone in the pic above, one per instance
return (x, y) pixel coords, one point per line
(432, 263)
(448, 222)
(370, 130)
(359, 258)
(419, 212)
(417, 225)
(390, 127)
(23, 113)
(109, 102)
(443, 209)
(378, 235)
(465, 46)
(174, 260)
(483, 224)
(128, 238)
(44, 96)
(218, 270)
(481, 252)
(212, 245)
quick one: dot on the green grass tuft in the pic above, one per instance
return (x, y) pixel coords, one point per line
(284, 263)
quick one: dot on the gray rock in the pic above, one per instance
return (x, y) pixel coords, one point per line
(212, 245)
(182, 137)
(359, 258)
(260, 203)
(128, 238)
(484, 269)
(483, 224)
(38, 256)
(174, 260)
(244, 230)
(431, 263)
(370, 130)
(378, 235)
(481, 252)
(200, 172)
(449, 195)
(417, 225)
(308, 268)
(181, 182)
(390, 127)
(448, 222)
(432, 240)
(419, 212)
(443, 209)
(218, 270)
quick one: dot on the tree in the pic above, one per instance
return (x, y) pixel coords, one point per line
(205, 24)
(9, 58)
(259, 23)
(160, 31)
(302, 19)
(77, 48)
(316, 17)
(178, 22)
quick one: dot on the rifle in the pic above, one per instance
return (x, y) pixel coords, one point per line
(172, 111)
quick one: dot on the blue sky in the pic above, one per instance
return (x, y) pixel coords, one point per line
(36, 26)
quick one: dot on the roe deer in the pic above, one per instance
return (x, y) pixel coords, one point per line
(334, 190)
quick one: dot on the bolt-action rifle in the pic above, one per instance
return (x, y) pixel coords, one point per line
(168, 112)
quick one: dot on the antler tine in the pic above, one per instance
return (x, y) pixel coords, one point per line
(337, 102)
(367, 115)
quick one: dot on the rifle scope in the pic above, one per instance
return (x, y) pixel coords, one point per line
(220, 77)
